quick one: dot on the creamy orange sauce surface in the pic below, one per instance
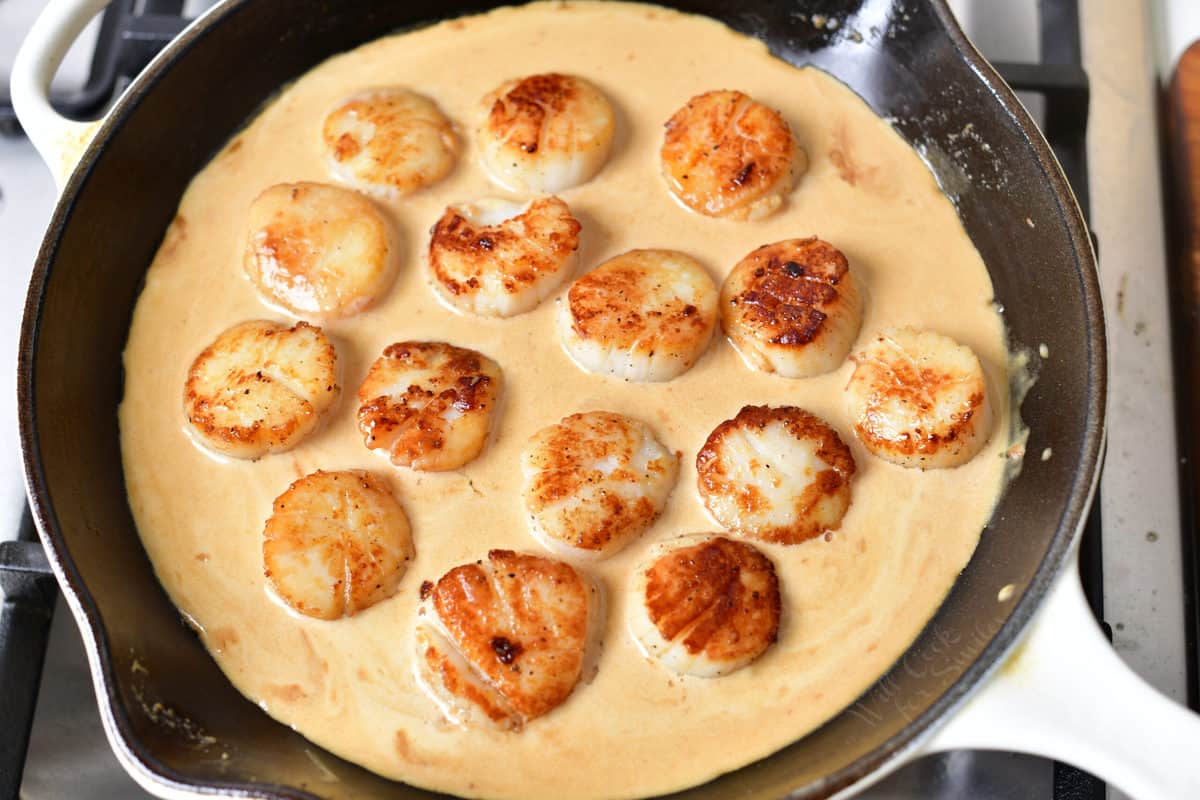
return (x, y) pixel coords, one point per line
(852, 603)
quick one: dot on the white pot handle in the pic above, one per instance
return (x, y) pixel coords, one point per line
(59, 140)
(1064, 693)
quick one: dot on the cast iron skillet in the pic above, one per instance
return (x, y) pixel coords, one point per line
(176, 717)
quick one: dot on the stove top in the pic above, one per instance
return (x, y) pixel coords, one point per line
(67, 755)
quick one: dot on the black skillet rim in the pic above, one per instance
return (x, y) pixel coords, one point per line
(151, 773)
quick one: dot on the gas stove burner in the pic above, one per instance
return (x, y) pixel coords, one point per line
(131, 33)
(29, 597)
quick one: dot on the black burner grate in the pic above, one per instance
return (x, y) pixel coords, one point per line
(131, 32)
(29, 596)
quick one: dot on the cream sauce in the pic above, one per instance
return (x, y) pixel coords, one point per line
(852, 604)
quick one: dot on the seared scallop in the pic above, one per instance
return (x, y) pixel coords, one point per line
(502, 641)
(646, 315)
(727, 155)
(545, 133)
(318, 249)
(336, 543)
(497, 258)
(389, 142)
(705, 605)
(260, 388)
(428, 405)
(792, 308)
(919, 399)
(775, 474)
(594, 482)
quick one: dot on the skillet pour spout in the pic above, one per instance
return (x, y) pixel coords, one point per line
(910, 63)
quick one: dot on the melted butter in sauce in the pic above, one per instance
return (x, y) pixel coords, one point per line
(851, 605)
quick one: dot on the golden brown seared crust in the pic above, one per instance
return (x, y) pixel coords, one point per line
(571, 450)
(545, 133)
(924, 441)
(405, 140)
(614, 304)
(520, 250)
(483, 697)
(522, 623)
(410, 390)
(519, 112)
(897, 377)
(281, 379)
(723, 151)
(585, 486)
(335, 544)
(275, 436)
(318, 249)
(722, 596)
(714, 480)
(782, 293)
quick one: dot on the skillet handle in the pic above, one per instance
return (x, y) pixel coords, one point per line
(1064, 693)
(60, 141)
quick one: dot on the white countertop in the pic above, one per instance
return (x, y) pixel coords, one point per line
(1140, 495)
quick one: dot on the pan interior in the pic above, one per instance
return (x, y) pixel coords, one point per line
(215, 78)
